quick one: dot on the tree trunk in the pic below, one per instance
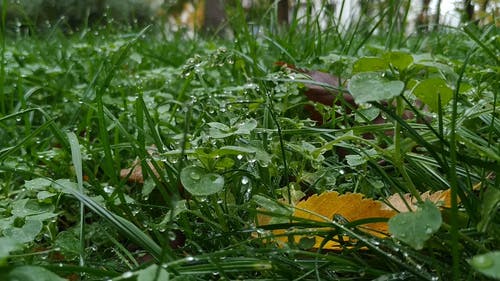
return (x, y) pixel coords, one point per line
(215, 15)
(283, 12)
(438, 15)
(423, 18)
(468, 14)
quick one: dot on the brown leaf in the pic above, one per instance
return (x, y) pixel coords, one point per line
(405, 203)
(134, 174)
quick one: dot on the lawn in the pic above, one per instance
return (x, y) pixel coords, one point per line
(283, 153)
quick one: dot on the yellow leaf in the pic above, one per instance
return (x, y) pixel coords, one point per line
(351, 206)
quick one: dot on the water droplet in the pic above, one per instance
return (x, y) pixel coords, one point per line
(194, 175)
(239, 156)
(171, 236)
(244, 180)
(108, 189)
(127, 274)
(190, 259)
(428, 230)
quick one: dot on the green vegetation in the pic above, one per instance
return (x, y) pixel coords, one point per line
(220, 132)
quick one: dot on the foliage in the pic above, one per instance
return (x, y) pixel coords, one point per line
(220, 131)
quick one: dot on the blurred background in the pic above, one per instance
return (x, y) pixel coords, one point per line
(214, 16)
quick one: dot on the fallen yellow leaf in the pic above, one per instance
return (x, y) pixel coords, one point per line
(351, 207)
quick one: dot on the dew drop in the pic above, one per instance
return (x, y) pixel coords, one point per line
(108, 189)
(244, 180)
(127, 274)
(190, 258)
(194, 175)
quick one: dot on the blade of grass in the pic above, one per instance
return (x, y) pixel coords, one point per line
(116, 60)
(2, 57)
(76, 157)
(128, 229)
(452, 174)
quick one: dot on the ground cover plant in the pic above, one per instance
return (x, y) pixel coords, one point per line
(131, 154)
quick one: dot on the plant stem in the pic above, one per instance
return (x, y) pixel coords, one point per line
(399, 153)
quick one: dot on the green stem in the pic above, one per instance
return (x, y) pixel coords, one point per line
(399, 153)
(2, 57)
(453, 178)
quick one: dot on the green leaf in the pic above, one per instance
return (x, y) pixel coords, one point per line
(488, 264)
(37, 184)
(32, 273)
(149, 274)
(489, 207)
(231, 149)
(370, 86)
(367, 64)
(400, 60)
(431, 90)
(200, 183)
(33, 209)
(25, 233)
(245, 127)
(307, 243)
(274, 207)
(414, 228)
(368, 113)
(8, 245)
(355, 160)
(68, 242)
(42, 195)
(219, 130)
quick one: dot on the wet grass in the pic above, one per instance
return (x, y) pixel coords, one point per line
(77, 109)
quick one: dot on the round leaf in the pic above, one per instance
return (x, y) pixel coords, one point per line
(370, 86)
(8, 245)
(200, 183)
(414, 228)
(32, 273)
(366, 64)
(150, 273)
(400, 60)
(431, 90)
(488, 264)
(26, 233)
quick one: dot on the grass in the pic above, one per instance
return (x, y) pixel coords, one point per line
(76, 109)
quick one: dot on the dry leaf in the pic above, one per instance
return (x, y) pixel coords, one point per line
(351, 206)
(134, 174)
(401, 203)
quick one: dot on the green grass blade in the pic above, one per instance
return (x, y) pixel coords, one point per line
(76, 157)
